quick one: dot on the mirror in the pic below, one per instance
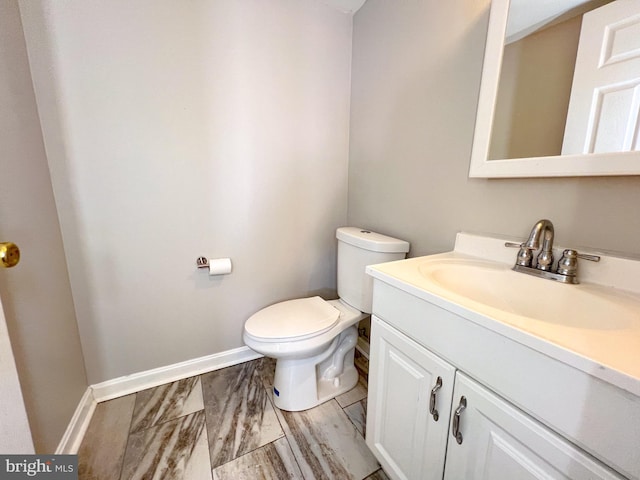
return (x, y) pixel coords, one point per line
(554, 129)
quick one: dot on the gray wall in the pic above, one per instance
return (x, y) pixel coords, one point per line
(415, 82)
(36, 294)
(177, 129)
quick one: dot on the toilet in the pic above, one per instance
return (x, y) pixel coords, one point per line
(313, 340)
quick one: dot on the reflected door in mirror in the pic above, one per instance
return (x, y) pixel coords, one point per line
(604, 110)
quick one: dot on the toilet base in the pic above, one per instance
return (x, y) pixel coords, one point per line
(327, 389)
(300, 384)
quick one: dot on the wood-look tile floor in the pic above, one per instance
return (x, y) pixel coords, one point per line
(223, 425)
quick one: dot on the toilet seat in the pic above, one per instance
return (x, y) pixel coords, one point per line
(292, 320)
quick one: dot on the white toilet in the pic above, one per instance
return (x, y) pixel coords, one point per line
(312, 339)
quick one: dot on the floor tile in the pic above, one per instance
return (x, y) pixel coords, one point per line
(379, 475)
(354, 395)
(326, 444)
(267, 369)
(166, 402)
(240, 416)
(274, 461)
(102, 450)
(172, 450)
(223, 425)
(357, 413)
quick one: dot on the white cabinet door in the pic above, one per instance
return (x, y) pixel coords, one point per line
(499, 442)
(401, 431)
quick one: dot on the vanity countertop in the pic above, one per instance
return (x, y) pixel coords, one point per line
(604, 347)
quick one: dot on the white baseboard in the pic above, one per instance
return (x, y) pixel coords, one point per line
(77, 427)
(136, 382)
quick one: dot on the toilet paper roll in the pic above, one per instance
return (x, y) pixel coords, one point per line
(219, 266)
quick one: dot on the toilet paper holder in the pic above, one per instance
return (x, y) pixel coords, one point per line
(215, 266)
(202, 262)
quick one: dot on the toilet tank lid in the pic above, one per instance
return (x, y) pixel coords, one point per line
(368, 240)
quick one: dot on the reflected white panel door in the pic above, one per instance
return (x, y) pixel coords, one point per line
(402, 432)
(499, 442)
(15, 435)
(604, 110)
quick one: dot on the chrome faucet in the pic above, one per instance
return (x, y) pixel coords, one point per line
(542, 228)
(567, 269)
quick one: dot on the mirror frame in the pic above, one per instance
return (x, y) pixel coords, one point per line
(597, 164)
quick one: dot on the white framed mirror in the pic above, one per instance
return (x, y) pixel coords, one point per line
(541, 143)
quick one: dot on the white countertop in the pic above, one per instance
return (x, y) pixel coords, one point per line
(609, 350)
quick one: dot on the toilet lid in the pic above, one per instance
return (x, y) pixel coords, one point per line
(293, 318)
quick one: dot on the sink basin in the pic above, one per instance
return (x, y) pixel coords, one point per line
(496, 286)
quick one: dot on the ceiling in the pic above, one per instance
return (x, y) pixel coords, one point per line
(347, 6)
(528, 16)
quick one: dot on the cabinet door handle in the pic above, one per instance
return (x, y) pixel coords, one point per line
(455, 425)
(432, 399)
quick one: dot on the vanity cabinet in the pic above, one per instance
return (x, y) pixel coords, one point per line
(495, 439)
(498, 441)
(410, 392)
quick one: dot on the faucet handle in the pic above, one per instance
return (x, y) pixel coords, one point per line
(568, 264)
(525, 255)
(591, 258)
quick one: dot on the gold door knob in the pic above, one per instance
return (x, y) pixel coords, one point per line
(9, 254)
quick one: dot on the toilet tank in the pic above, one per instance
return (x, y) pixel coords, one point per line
(357, 248)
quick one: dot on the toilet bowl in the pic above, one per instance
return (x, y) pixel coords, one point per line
(313, 340)
(314, 351)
